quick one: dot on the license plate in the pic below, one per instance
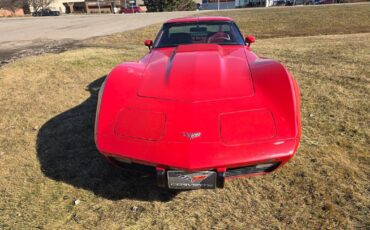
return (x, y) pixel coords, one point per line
(191, 180)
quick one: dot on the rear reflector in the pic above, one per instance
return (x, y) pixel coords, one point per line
(265, 167)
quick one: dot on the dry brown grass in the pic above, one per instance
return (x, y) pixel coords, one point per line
(271, 23)
(301, 21)
(48, 158)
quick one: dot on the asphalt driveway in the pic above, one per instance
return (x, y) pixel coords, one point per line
(19, 36)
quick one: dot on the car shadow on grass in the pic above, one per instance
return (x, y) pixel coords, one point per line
(67, 153)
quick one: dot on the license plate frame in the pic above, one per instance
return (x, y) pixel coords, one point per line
(191, 180)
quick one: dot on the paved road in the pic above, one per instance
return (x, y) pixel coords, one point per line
(24, 33)
(77, 26)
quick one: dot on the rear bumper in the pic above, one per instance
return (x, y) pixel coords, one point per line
(229, 161)
(195, 156)
(222, 173)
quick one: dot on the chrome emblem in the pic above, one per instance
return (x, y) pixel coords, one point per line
(191, 136)
(195, 177)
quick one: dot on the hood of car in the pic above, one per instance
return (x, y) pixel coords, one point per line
(197, 72)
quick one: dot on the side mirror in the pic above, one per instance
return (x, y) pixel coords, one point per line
(250, 39)
(148, 43)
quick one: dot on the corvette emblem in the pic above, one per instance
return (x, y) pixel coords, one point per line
(194, 177)
(191, 136)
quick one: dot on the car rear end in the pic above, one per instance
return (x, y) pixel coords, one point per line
(197, 115)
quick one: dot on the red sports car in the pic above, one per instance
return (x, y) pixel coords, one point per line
(130, 10)
(199, 108)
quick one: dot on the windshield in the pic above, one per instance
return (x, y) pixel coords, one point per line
(220, 32)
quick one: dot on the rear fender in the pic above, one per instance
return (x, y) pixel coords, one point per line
(119, 89)
(277, 90)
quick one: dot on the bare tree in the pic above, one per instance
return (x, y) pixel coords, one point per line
(39, 5)
(11, 5)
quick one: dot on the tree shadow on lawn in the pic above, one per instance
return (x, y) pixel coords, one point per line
(66, 151)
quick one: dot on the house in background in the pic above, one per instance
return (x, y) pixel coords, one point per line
(59, 5)
(254, 3)
(9, 13)
(230, 4)
(91, 6)
(218, 4)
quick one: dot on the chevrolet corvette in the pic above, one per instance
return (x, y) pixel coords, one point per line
(199, 108)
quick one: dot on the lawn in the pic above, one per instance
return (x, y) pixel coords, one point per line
(48, 160)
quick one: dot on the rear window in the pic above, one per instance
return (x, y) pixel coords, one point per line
(221, 32)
